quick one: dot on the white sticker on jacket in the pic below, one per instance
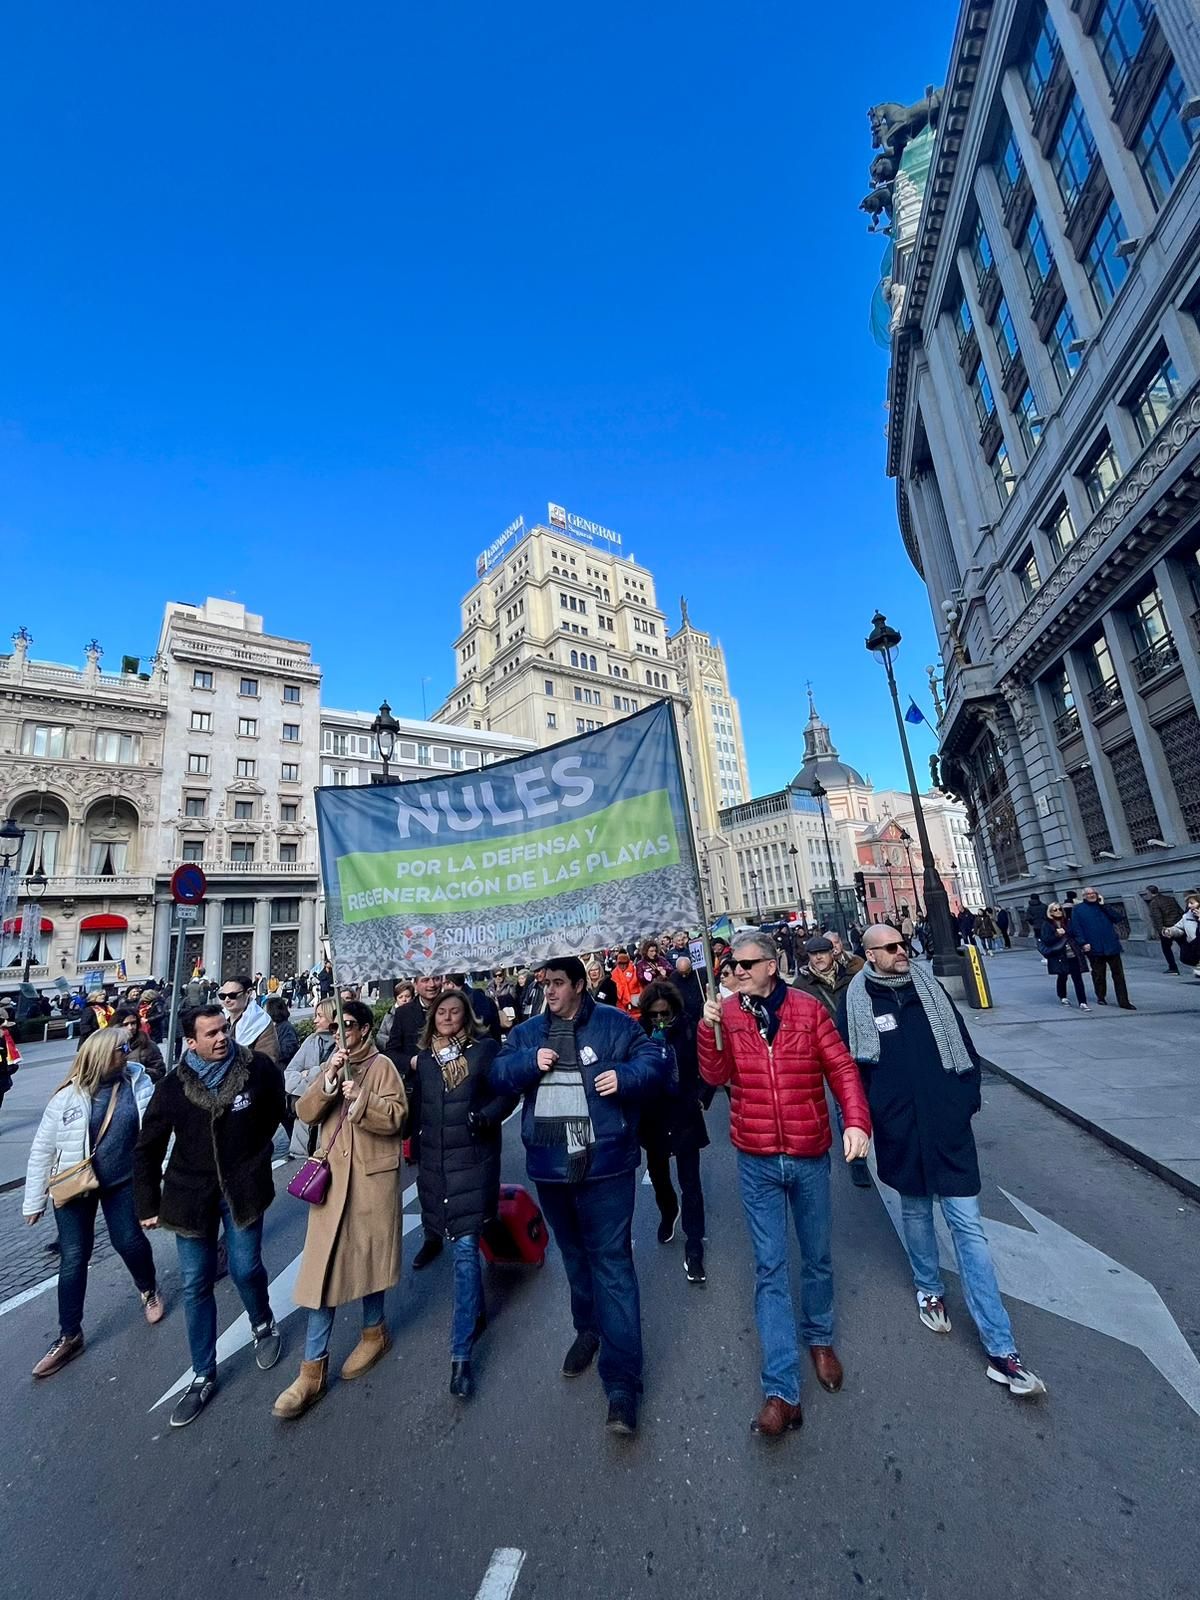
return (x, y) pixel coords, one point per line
(886, 1023)
(241, 1103)
(587, 1056)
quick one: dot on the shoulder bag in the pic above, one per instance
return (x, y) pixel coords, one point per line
(81, 1178)
(311, 1182)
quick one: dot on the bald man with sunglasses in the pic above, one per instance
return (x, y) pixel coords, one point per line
(778, 1050)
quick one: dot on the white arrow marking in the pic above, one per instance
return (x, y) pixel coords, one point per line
(1056, 1270)
(239, 1335)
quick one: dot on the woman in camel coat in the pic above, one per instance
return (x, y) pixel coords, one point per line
(352, 1247)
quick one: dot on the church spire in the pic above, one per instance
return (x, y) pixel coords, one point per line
(817, 741)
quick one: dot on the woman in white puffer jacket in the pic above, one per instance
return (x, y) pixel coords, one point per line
(104, 1079)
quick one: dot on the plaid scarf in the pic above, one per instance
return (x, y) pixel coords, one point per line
(765, 1010)
(561, 1114)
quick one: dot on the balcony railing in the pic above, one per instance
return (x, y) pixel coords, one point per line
(264, 869)
(1066, 725)
(94, 883)
(1160, 657)
(1106, 697)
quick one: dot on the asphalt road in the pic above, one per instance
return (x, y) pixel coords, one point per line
(920, 1478)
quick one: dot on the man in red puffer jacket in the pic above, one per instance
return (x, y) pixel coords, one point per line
(778, 1048)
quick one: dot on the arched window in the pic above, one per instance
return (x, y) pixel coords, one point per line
(592, 662)
(45, 823)
(574, 658)
(111, 831)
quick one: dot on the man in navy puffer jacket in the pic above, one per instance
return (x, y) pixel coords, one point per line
(585, 1071)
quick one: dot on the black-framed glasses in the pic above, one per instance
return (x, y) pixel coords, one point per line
(749, 966)
(891, 948)
(230, 994)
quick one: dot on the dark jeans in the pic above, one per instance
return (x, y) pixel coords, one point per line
(198, 1269)
(1060, 984)
(592, 1224)
(1168, 949)
(1101, 966)
(687, 1165)
(76, 1238)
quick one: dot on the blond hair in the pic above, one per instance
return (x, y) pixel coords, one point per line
(94, 1058)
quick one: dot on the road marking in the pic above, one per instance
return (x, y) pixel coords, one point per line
(239, 1335)
(1057, 1271)
(28, 1294)
(501, 1576)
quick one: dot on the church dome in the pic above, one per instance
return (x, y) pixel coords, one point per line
(821, 759)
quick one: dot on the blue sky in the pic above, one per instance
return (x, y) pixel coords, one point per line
(303, 304)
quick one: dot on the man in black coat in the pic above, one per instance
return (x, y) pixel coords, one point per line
(921, 1072)
(223, 1104)
(826, 977)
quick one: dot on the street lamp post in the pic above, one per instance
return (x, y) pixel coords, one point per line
(819, 793)
(754, 890)
(793, 852)
(906, 840)
(883, 643)
(12, 838)
(36, 885)
(385, 728)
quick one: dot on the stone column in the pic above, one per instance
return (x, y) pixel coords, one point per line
(306, 953)
(160, 958)
(214, 917)
(262, 936)
(1180, 23)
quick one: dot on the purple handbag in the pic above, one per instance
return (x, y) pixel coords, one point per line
(311, 1181)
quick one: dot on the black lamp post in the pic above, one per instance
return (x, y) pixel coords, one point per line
(36, 885)
(385, 728)
(793, 852)
(883, 643)
(754, 889)
(906, 839)
(819, 793)
(12, 838)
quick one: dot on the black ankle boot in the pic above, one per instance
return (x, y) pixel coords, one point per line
(462, 1383)
(429, 1251)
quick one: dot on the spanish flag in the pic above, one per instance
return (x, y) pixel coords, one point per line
(197, 967)
(121, 972)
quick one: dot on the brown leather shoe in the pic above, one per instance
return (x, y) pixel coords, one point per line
(776, 1418)
(827, 1366)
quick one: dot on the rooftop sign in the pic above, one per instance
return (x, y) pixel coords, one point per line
(576, 527)
(499, 548)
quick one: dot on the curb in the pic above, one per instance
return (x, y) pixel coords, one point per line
(1167, 1174)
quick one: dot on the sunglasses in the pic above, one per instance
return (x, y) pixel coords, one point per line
(230, 994)
(748, 966)
(659, 1015)
(890, 948)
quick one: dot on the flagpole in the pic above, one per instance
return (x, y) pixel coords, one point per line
(705, 934)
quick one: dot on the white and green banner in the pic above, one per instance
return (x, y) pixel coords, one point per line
(562, 851)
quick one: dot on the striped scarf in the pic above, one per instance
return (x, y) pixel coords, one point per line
(561, 1114)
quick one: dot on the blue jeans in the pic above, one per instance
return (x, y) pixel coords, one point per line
(198, 1269)
(975, 1269)
(320, 1324)
(771, 1186)
(76, 1239)
(468, 1296)
(592, 1224)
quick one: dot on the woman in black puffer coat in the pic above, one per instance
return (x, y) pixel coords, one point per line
(455, 1119)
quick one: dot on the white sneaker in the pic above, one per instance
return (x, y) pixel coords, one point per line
(1008, 1369)
(1083, 1006)
(1064, 1001)
(933, 1313)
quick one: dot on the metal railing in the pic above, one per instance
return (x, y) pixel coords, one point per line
(1106, 697)
(1158, 658)
(1066, 724)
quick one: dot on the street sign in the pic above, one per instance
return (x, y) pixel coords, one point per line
(186, 913)
(188, 885)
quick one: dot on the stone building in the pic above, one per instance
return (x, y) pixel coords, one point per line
(81, 755)
(714, 722)
(240, 763)
(1044, 434)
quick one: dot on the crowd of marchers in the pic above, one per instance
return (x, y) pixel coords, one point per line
(607, 1058)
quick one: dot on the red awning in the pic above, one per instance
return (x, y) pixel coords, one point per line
(13, 925)
(103, 922)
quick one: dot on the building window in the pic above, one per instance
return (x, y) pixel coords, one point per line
(1036, 254)
(291, 732)
(1006, 335)
(197, 763)
(120, 747)
(341, 778)
(245, 767)
(249, 687)
(202, 680)
(1041, 53)
(201, 721)
(551, 719)
(1064, 360)
(1003, 475)
(985, 401)
(1029, 420)
(574, 658)
(424, 756)
(195, 805)
(242, 850)
(1009, 167)
(287, 852)
(963, 325)
(1149, 622)
(290, 772)
(44, 740)
(193, 850)
(1060, 530)
(243, 810)
(1073, 153)
(247, 727)
(1101, 473)
(291, 694)
(1163, 140)
(285, 910)
(578, 692)
(338, 744)
(1118, 32)
(1156, 397)
(1106, 270)
(239, 914)
(981, 251)
(1028, 575)
(549, 687)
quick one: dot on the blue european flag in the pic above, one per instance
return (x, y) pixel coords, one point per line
(914, 712)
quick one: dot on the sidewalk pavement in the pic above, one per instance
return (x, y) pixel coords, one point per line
(1130, 1077)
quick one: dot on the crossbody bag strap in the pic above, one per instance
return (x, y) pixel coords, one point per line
(329, 1147)
(112, 1106)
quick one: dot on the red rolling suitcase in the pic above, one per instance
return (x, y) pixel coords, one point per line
(517, 1235)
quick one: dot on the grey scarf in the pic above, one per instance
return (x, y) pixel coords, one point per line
(936, 1003)
(561, 1114)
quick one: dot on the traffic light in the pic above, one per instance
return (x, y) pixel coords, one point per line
(860, 885)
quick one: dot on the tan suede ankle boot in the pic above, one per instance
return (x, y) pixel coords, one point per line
(305, 1392)
(372, 1346)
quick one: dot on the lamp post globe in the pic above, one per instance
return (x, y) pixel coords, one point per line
(883, 641)
(12, 837)
(384, 727)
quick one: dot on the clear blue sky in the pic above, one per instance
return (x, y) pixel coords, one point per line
(302, 304)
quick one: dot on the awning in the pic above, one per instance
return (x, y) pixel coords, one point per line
(103, 922)
(13, 925)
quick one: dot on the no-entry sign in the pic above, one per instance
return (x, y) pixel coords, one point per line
(188, 885)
